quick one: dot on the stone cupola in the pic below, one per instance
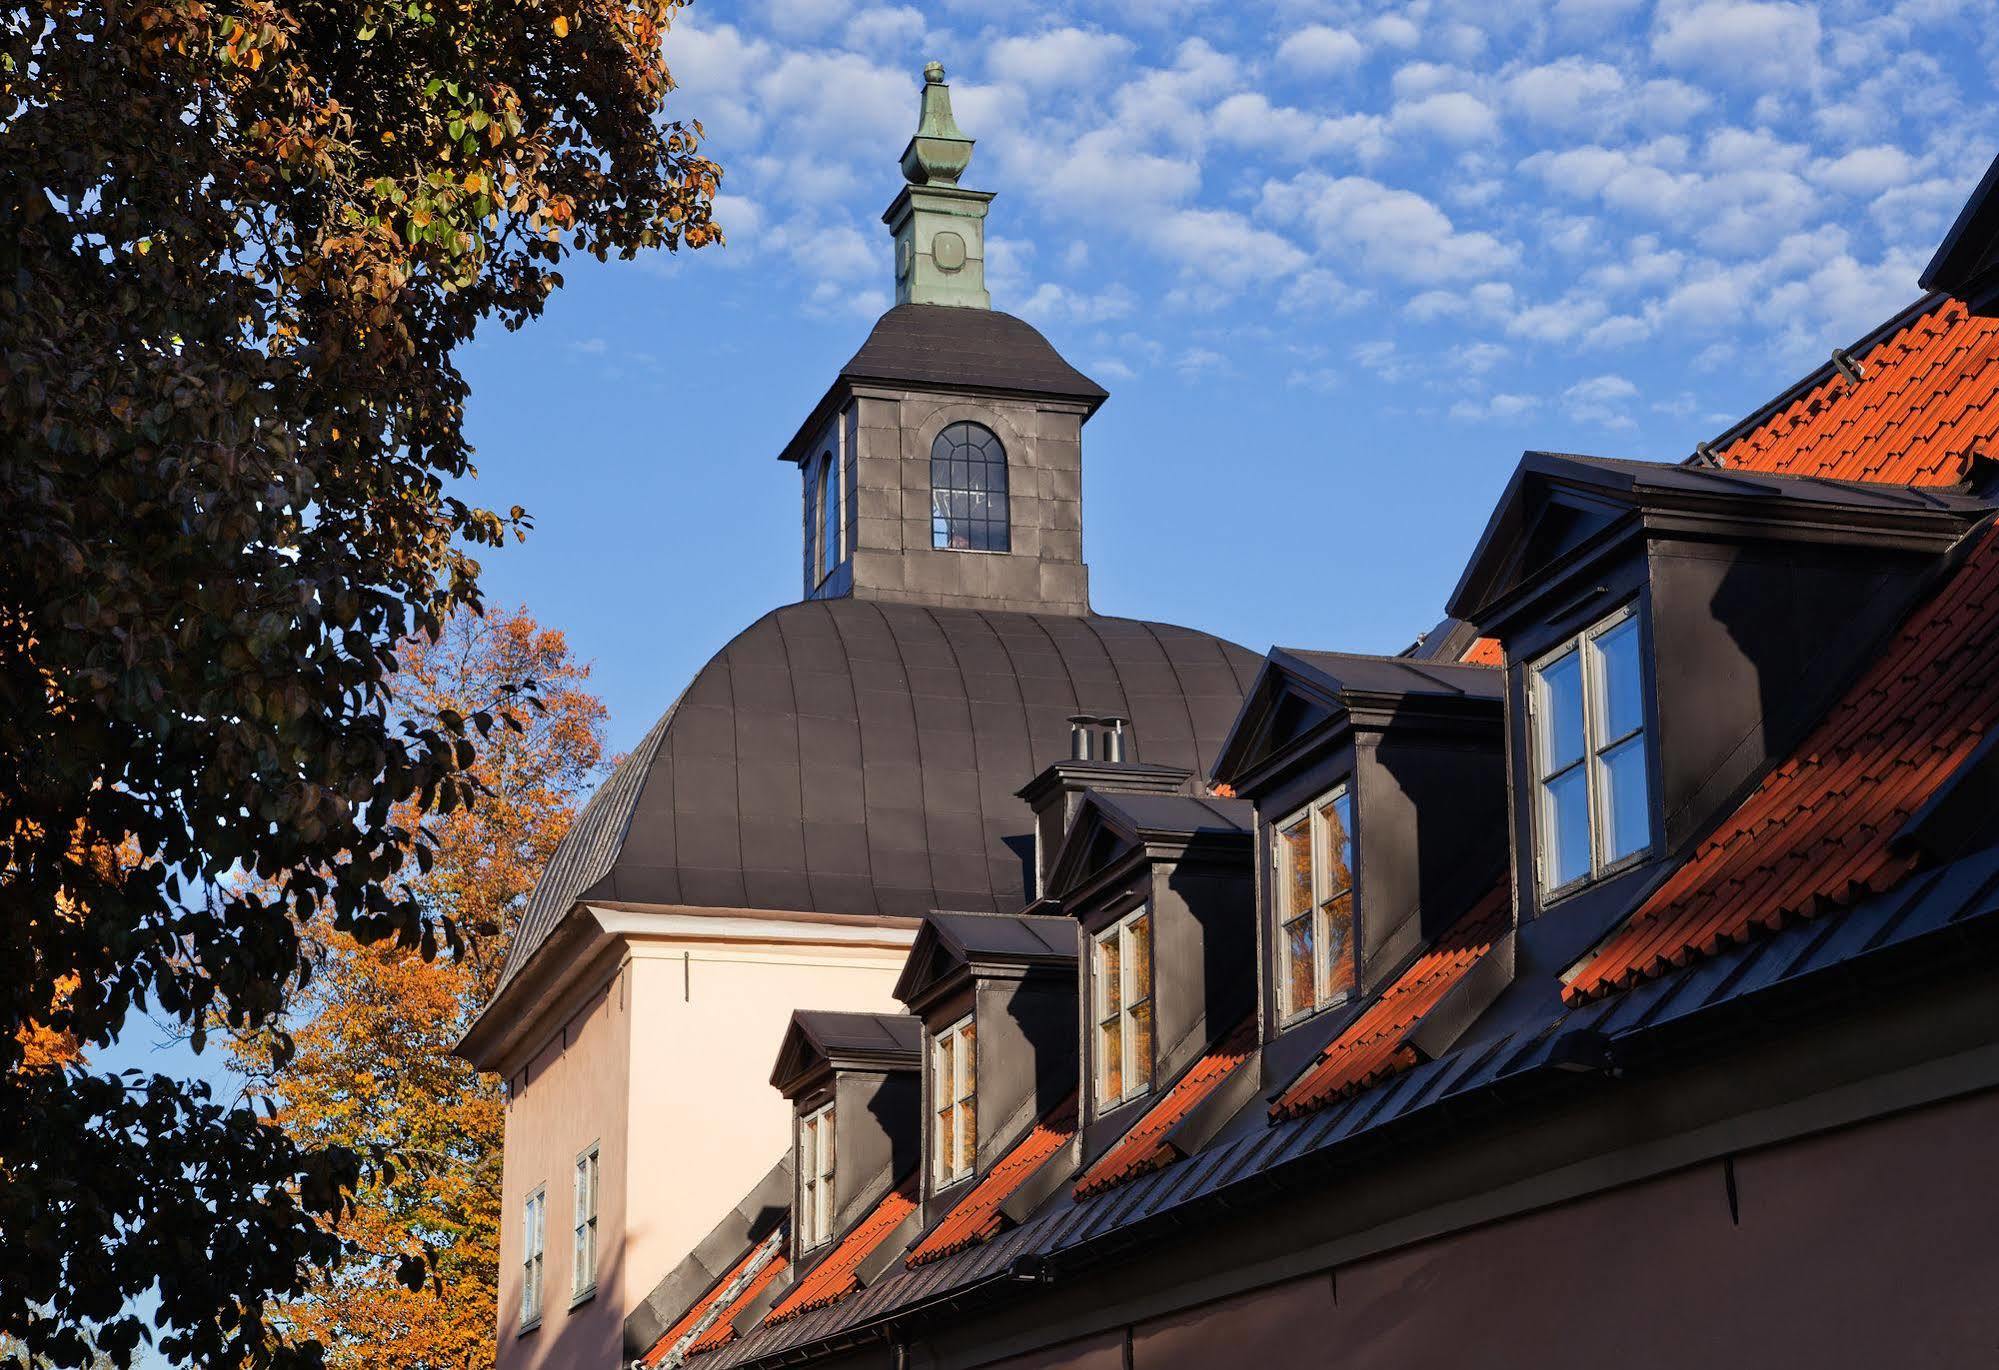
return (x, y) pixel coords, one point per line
(944, 464)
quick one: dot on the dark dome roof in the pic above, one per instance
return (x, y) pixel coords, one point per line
(848, 756)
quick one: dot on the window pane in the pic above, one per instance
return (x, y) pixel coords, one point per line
(1336, 919)
(968, 1061)
(1294, 869)
(1298, 991)
(1565, 827)
(1138, 974)
(947, 1149)
(968, 1135)
(1110, 984)
(1110, 1058)
(1627, 811)
(1561, 712)
(1141, 1048)
(1621, 706)
(1337, 818)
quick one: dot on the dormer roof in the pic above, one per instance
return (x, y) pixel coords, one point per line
(1302, 698)
(1967, 263)
(951, 944)
(820, 1040)
(1110, 825)
(1560, 510)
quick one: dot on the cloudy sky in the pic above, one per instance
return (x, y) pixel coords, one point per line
(1338, 265)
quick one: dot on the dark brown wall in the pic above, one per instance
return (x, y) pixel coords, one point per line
(1026, 1054)
(1868, 1247)
(876, 1133)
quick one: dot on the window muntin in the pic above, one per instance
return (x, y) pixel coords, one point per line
(968, 508)
(815, 1178)
(534, 1236)
(1587, 702)
(954, 1088)
(583, 1252)
(1313, 854)
(1122, 984)
(827, 524)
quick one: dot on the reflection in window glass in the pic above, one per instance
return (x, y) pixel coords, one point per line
(829, 516)
(1589, 723)
(1315, 906)
(1121, 970)
(954, 1061)
(815, 1179)
(968, 491)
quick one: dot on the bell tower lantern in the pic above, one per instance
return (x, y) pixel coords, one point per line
(944, 464)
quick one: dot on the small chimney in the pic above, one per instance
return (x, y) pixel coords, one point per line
(1097, 761)
(1094, 736)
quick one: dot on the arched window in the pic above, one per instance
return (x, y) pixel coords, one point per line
(968, 490)
(828, 521)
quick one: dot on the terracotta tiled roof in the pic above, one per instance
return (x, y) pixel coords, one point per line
(1376, 1044)
(977, 1216)
(1483, 651)
(722, 1331)
(835, 1277)
(1928, 398)
(1144, 1147)
(688, 1320)
(1818, 832)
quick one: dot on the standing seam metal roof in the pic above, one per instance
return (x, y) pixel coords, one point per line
(847, 756)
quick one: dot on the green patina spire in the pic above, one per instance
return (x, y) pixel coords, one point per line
(939, 152)
(939, 226)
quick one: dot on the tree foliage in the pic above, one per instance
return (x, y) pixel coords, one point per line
(243, 238)
(371, 1068)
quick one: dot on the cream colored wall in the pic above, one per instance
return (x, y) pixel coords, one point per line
(572, 1092)
(705, 1123)
(665, 1061)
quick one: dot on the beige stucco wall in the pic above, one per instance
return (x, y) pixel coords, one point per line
(665, 1061)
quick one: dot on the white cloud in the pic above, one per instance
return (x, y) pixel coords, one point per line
(1394, 31)
(1320, 50)
(1455, 116)
(1059, 58)
(1249, 120)
(1104, 173)
(1601, 400)
(885, 28)
(1051, 301)
(1392, 231)
(1223, 247)
(1494, 407)
(1477, 358)
(1571, 93)
(1865, 170)
(1740, 41)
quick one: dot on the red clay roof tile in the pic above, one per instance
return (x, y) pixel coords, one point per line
(835, 1277)
(716, 1292)
(1144, 1147)
(1924, 406)
(1376, 1044)
(977, 1216)
(722, 1330)
(1484, 651)
(1818, 832)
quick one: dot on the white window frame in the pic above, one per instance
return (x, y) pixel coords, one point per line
(1134, 1076)
(817, 1160)
(1596, 745)
(952, 1101)
(1324, 996)
(534, 1255)
(583, 1247)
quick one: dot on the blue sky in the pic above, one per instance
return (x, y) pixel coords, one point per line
(1338, 265)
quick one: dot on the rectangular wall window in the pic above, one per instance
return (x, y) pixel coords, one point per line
(1314, 897)
(1587, 702)
(583, 1254)
(534, 1239)
(954, 1088)
(815, 1179)
(1121, 976)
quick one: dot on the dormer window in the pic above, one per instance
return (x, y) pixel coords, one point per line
(1312, 854)
(953, 1101)
(1121, 976)
(1587, 705)
(815, 1179)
